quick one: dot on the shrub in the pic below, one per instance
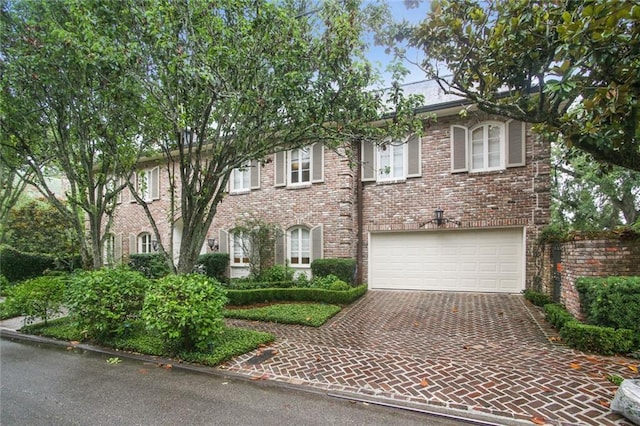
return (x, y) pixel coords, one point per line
(151, 265)
(277, 273)
(186, 310)
(245, 297)
(309, 314)
(215, 265)
(5, 286)
(249, 284)
(329, 282)
(345, 269)
(107, 301)
(611, 302)
(557, 315)
(39, 297)
(602, 340)
(18, 266)
(537, 298)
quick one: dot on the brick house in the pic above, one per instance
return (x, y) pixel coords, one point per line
(490, 177)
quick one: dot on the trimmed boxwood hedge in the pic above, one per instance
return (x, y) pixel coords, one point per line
(262, 295)
(345, 269)
(17, 266)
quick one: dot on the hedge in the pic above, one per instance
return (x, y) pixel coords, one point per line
(246, 297)
(611, 302)
(151, 265)
(603, 340)
(345, 269)
(590, 338)
(18, 266)
(215, 265)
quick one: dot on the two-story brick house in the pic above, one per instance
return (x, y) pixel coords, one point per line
(489, 176)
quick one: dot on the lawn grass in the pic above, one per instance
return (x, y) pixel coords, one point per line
(231, 342)
(310, 314)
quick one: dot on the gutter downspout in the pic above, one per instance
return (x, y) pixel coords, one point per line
(359, 212)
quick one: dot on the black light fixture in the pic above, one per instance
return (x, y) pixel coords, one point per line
(439, 219)
(212, 243)
(154, 245)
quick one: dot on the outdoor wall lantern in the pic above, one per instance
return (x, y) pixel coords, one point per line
(212, 243)
(439, 219)
(154, 245)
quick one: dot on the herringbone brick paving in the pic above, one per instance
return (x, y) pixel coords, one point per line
(486, 353)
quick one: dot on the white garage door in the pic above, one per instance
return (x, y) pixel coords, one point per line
(477, 260)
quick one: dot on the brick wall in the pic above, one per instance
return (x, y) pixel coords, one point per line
(592, 258)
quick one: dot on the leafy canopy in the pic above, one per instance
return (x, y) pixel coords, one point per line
(570, 66)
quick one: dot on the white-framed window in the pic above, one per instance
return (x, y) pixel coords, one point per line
(245, 178)
(148, 184)
(392, 161)
(240, 249)
(299, 246)
(487, 147)
(108, 250)
(299, 166)
(144, 243)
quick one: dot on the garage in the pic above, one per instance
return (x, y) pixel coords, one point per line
(453, 260)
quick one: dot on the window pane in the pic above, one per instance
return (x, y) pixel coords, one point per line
(384, 168)
(494, 146)
(398, 161)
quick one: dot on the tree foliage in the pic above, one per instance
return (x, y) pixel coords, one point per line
(69, 103)
(570, 66)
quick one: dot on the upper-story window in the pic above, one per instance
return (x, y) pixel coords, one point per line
(487, 146)
(300, 167)
(300, 246)
(148, 184)
(391, 161)
(109, 248)
(245, 178)
(144, 243)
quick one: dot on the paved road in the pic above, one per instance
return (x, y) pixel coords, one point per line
(45, 385)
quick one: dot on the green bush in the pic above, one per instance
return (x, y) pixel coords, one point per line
(557, 315)
(602, 340)
(309, 314)
(5, 286)
(537, 298)
(249, 284)
(345, 269)
(186, 310)
(151, 265)
(106, 302)
(611, 302)
(329, 282)
(246, 297)
(39, 297)
(18, 266)
(215, 265)
(277, 273)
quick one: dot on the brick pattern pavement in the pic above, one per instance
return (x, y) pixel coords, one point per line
(479, 353)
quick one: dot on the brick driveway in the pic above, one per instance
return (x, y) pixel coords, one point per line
(483, 356)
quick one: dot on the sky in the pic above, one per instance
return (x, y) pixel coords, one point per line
(377, 54)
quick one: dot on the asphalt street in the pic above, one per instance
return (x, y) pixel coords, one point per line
(47, 385)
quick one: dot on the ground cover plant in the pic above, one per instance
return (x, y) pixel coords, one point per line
(310, 314)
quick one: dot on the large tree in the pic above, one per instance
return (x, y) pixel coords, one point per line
(571, 66)
(235, 80)
(69, 102)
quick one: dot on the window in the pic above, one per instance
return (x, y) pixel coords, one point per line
(148, 184)
(246, 178)
(108, 254)
(240, 248)
(299, 247)
(488, 146)
(393, 161)
(299, 166)
(144, 243)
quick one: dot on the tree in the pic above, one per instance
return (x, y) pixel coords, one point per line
(69, 102)
(570, 66)
(588, 195)
(12, 183)
(236, 80)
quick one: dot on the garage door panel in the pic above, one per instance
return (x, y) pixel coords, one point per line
(469, 260)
